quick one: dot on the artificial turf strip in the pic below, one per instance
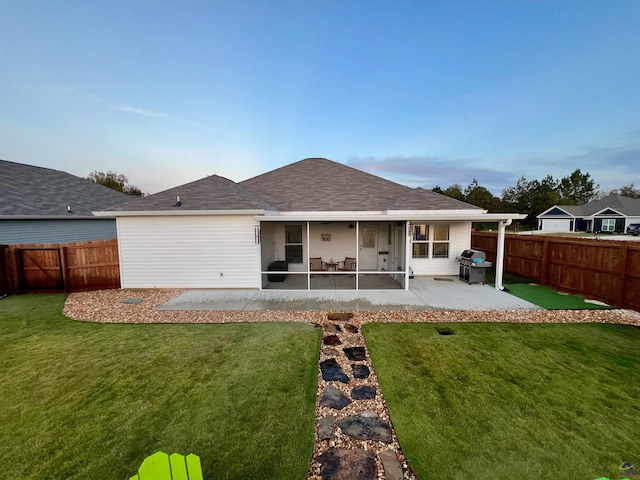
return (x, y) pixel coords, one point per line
(91, 401)
(542, 296)
(504, 401)
(548, 298)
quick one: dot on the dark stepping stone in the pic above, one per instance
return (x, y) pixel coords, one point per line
(347, 464)
(365, 427)
(363, 392)
(325, 427)
(331, 371)
(391, 464)
(333, 398)
(355, 354)
(340, 316)
(333, 328)
(350, 328)
(360, 371)
(331, 340)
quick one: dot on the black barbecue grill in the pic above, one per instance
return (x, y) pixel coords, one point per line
(473, 266)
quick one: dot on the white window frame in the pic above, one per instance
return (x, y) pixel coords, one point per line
(610, 227)
(429, 240)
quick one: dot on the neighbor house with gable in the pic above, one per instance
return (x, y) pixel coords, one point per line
(313, 224)
(611, 214)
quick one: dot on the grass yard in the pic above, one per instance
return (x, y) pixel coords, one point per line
(91, 401)
(504, 401)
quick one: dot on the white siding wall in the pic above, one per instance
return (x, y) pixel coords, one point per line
(188, 252)
(342, 244)
(459, 240)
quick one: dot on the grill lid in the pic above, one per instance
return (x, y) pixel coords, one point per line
(473, 255)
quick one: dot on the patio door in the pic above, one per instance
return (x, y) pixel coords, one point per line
(368, 257)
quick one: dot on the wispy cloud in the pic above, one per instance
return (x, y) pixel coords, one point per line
(429, 171)
(141, 111)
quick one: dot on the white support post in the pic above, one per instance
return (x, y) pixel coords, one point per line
(308, 261)
(407, 253)
(500, 253)
(357, 252)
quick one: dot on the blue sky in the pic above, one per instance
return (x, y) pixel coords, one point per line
(424, 93)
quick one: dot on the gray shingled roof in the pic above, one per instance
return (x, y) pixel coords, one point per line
(209, 193)
(313, 184)
(26, 190)
(318, 184)
(625, 205)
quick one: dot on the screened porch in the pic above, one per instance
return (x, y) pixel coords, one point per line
(333, 255)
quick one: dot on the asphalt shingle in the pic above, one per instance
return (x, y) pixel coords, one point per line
(26, 190)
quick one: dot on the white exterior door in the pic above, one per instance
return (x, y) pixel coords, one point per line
(368, 257)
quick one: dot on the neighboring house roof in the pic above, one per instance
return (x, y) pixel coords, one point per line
(36, 192)
(629, 207)
(310, 185)
(209, 193)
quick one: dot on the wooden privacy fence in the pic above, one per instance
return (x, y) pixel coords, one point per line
(602, 269)
(70, 267)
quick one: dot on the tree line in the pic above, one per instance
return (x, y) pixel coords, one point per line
(535, 196)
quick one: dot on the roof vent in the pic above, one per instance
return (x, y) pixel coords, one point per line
(68, 208)
(178, 202)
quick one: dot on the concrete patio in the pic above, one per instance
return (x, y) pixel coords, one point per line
(426, 293)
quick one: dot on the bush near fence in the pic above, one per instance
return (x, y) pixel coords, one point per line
(70, 267)
(605, 270)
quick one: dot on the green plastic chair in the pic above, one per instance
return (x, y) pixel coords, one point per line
(161, 466)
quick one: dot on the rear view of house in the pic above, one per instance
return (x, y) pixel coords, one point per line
(313, 224)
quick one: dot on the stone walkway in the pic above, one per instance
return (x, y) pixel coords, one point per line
(355, 439)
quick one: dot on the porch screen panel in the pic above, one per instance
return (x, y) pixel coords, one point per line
(293, 243)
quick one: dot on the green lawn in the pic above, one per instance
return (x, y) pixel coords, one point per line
(505, 401)
(91, 401)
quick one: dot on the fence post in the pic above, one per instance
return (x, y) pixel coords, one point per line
(64, 268)
(545, 260)
(624, 253)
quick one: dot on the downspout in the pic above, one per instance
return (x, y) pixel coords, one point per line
(502, 224)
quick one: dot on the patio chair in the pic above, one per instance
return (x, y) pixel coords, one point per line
(161, 466)
(317, 265)
(347, 265)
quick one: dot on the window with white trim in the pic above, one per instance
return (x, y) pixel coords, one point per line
(293, 243)
(440, 241)
(609, 225)
(420, 241)
(430, 241)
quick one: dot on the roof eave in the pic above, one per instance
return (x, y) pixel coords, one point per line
(422, 215)
(176, 213)
(56, 217)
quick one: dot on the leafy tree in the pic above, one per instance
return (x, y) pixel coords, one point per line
(577, 188)
(454, 191)
(437, 189)
(531, 197)
(627, 191)
(115, 181)
(479, 196)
